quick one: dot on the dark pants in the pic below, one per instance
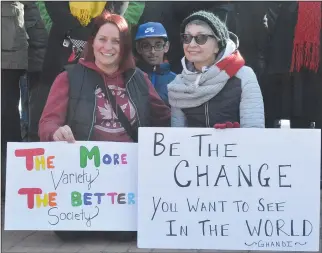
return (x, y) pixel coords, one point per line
(38, 94)
(10, 117)
(296, 96)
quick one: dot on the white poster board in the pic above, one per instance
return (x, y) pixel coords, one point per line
(79, 186)
(257, 189)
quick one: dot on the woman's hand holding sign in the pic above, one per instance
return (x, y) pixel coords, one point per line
(227, 125)
(64, 133)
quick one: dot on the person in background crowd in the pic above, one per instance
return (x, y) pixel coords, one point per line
(151, 45)
(22, 48)
(70, 29)
(44, 14)
(38, 39)
(248, 21)
(133, 13)
(215, 88)
(104, 97)
(292, 85)
(14, 62)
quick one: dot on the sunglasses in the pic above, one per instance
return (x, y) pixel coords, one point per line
(200, 39)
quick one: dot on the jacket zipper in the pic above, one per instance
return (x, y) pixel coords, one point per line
(94, 116)
(136, 110)
(207, 114)
(153, 76)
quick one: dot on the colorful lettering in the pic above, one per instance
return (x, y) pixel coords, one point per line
(130, 198)
(112, 195)
(76, 198)
(99, 195)
(107, 159)
(116, 159)
(87, 198)
(50, 162)
(48, 199)
(40, 161)
(41, 201)
(121, 198)
(86, 154)
(35, 158)
(52, 199)
(29, 154)
(123, 159)
(30, 192)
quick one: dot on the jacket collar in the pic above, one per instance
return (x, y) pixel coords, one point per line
(161, 69)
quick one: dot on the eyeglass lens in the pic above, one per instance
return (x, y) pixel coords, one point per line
(200, 39)
(148, 47)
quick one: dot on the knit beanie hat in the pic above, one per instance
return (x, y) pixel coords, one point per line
(217, 26)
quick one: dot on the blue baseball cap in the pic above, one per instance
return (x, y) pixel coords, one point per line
(151, 30)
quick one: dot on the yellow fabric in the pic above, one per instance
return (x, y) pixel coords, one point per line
(86, 11)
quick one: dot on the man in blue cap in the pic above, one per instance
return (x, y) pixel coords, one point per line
(151, 45)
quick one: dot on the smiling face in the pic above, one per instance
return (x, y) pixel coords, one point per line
(200, 55)
(106, 47)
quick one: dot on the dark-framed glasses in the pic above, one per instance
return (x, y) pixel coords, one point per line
(146, 47)
(200, 39)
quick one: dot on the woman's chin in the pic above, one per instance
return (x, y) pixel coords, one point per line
(107, 63)
(193, 59)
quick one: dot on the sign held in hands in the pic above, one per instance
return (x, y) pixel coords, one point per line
(79, 186)
(245, 189)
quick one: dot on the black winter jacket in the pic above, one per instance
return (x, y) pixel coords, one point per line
(38, 37)
(82, 100)
(249, 22)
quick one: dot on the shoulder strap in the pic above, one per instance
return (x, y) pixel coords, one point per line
(121, 116)
(116, 108)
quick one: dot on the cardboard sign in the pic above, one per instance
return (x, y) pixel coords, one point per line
(232, 189)
(79, 186)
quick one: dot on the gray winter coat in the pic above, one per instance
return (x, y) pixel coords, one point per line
(14, 44)
(24, 37)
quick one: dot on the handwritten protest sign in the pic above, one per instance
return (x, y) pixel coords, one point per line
(80, 186)
(232, 189)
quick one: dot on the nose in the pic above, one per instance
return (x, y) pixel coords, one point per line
(152, 50)
(193, 43)
(108, 45)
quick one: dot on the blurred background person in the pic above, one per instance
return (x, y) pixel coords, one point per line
(23, 44)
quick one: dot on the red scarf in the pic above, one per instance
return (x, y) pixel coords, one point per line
(232, 63)
(306, 44)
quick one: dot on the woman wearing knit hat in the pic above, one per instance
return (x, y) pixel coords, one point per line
(215, 88)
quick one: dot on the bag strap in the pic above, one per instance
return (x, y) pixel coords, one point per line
(121, 116)
(116, 108)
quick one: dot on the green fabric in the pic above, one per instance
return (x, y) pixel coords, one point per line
(134, 12)
(44, 15)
